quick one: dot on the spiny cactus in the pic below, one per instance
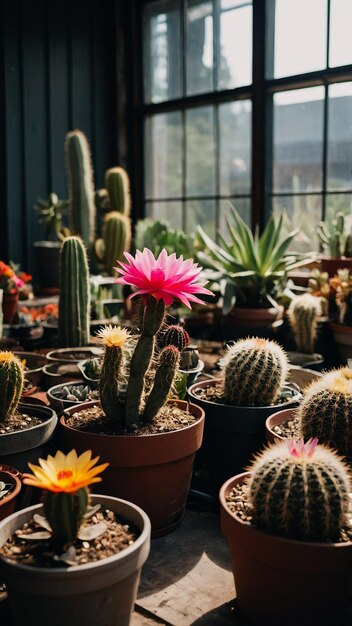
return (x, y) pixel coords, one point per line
(112, 377)
(303, 314)
(255, 370)
(335, 237)
(189, 358)
(64, 512)
(91, 369)
(116, 239)
(74, 301)
(116, 196)
(326, 410)
(168, 362)
(174, 335)
(300, 491)
(81, 207)
(11, 383)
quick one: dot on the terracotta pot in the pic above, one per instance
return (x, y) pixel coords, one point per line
(276, 419)
(8, 503)
(96, 593)
(302, 377)
(232, 435)
(331, 265)
(343, 338)
(153, 471)
(256, 317)
(9, 305)
(282, 582)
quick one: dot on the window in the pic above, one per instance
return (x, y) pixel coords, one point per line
(214, 133)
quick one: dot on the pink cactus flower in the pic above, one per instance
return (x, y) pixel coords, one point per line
(18, 281)
(165, 278)
(301, 450)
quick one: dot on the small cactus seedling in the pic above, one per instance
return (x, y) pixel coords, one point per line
(303, 313)
(11, 383)
(326, 410)
(300, 491)
(174, 335)
(255, 370)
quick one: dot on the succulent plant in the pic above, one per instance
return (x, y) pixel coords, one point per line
(303, 314)
(255, 370)
(174, 335)
(326, 410)
(336, 237)
(51, 214)
(74, 301)
(300, 491)
(76, 393)
(11, 383)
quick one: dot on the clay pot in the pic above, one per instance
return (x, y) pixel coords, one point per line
(343, 338)
(256, 317)
(276, 419)
(302, 377)
(9, 305)
(153, 471)
(282, 582)
(331, 265)
(96, 593)
(8, 503)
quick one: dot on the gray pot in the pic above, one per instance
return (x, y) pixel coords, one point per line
(55, 373)
(34, 364)
(73, 355)
(60, 404)
(95, 594)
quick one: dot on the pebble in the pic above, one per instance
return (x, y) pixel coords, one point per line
(86, 545)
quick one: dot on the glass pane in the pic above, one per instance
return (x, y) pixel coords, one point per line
(339, 202)
(235, 147)
(235, 63)
(340, 52)
(300, 36)
(203, 213)
(242, 205)
(163, 150)
(199, 47)
(162, 52)
(200, 158)
(170, 212)
(298, 140)
(230, 4)
(304, 212)
(340, 137)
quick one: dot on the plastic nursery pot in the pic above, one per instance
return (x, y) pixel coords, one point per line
(153, 471)
(19, 448)
(73, 355)
(282, 582)
(101, 593)
(8, 503)
(232, 435)
(277, 419)
(34, 366)
(60, 404)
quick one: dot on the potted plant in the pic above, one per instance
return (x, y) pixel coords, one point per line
(253, 270)
(237, 406)
(89, 550)
(11, 284)
(287, 523)
(336, 237)
(64, 395)
(151, 443)
(10, 487)
(341, 326)
(304, 313)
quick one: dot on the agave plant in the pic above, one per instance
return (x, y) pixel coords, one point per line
(253, 268)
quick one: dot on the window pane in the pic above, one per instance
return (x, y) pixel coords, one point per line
(235, 62)
(230, 4)
(242, 205)
(339, 202)
(235, 147)
(304, 212)
(340, 52)
(200, 159)
(199, 47)
(170, 212)
(201, 212)
(298, 140)
(163, 150)
(300, 36)
(340, 137)
(162, 52)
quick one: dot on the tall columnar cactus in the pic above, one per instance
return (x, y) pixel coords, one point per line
(116, 239)
(11, 383)
(303, 313)
(81, 207)
(255, 370)
(64, 512)
(112, 376)
(168, 362)
(74, 301)
(116, 196)
(174, 335)
(326, 410)
(334, 236)
(300, 491)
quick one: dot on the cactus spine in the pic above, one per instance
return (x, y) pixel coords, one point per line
(299, 491)
(176, 336)
(64, 512)
(81, 208)
(303, 313)
(255, 370)
(326, 410)
(168, 362)
(11, 384)
(74, 301)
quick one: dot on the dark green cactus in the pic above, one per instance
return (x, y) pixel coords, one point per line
(74, 301)
(11, 383)
(81, 207)
(255, 370)
(64, 512)
(303, 314)
(174, 335)
(116, 238)
(116, 196)
(299, 491)
(326, 410)
(168, 363)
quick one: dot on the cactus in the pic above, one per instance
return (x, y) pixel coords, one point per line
(189, 358)
(116, 238)
(303, 314)
(11, 383)
(299, 491)
(91, 369)
(116, 196)
(334, 236)
(174, 335)
(74, 301)
(168, 362)
(326, 410)
(255, 370)
(81, 207)
(76, 393)
(64, 512)
(112, 378)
